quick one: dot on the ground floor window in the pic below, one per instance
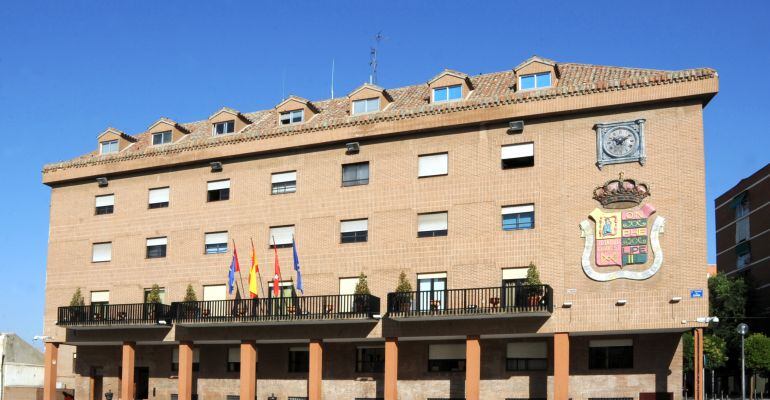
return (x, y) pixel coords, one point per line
(446, 358)
(233, 359)
(299, 359)
(370, 359)
(611, 354)
(526, 356)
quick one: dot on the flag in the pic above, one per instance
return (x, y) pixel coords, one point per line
(296, 266)
(233, 268)
(235, 256)
(253, 270)
(277, 276)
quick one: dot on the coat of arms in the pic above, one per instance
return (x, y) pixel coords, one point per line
(621, 234)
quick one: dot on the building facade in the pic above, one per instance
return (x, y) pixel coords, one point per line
(465, 186)
(743, 241)
(21, 369)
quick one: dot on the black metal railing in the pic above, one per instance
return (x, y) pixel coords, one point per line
(494, 300)
(114, 314)
(351, 306)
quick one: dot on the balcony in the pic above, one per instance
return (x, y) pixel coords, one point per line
(141, 315)
(476, 303)
(285, 310)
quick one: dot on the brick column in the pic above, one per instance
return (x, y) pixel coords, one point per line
(561, 366)
(314, 375)
(127, 377)
(248, 370)
(697, 356)
(472, 367)
(185, 370)
(49, 372)
(391, 368)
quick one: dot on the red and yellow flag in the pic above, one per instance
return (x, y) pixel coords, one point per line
(253, 272)
(277, 276)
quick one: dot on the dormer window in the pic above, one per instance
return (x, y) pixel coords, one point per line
(447, 93)
(366, 106)
(161, 138)
(224, 127)
(535, 81)
(292, 117)
(108, 147)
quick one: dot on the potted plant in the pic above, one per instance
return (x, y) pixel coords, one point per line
(77, 303)
(361, 294)
(403, 297)
(190, 305)
(151, 301)
(534, 292)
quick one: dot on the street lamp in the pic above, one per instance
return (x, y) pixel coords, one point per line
(743, 329)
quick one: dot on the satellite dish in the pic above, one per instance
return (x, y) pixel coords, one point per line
(743, 329)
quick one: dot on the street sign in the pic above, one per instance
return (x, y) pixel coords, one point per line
(696, 293)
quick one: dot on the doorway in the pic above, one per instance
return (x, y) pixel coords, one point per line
(97, 383)
(141, 383)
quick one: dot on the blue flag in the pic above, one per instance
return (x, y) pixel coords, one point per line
(296, 266)
(231, 275)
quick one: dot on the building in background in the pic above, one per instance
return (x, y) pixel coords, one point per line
(21, 369)
(743, 241)
(711, 270)
(463, 184)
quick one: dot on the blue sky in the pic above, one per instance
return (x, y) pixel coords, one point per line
(70, 69)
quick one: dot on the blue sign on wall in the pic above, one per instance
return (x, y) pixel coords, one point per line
(696, 293)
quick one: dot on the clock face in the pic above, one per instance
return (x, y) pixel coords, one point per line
(620, 142)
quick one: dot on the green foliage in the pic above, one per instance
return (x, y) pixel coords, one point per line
(687, 351)
(403, 284)
(362, 287)
(727, 300)
(190, 294)
(77, 299)
(153, 296)
(758, 353)
(533, 277)
(713, 347)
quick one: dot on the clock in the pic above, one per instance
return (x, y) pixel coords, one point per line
(620, 142)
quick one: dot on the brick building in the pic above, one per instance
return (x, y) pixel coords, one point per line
(743, 241)
(461, 183)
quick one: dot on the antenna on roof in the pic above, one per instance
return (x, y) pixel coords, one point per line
(373, 58)
(332, 78)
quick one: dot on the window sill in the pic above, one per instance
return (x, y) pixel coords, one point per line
(431, 176)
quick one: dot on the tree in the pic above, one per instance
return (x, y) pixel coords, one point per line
(713, 348)
(362, 287)
(190, 294)
(77, 299)
(757, 348)
(153, 296)
(403, 284)
(727, 300)
(533, 277)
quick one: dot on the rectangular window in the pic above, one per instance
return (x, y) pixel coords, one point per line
(447, 93)
(109, 147)
(158, 198)
(366, 106)
(354, 231)
(223, 128)
(535, 81)
(216, 243)
(518, 217)
(526, 356)
(161, 294)
(299, 359)
(432, 224)
(233, 359)
(105, 204)
(156, 247)
(518, 155)
(370, 359)
(175, 360)
(161, 138)
(219, 190)
(281, 236)
(214, 292)
(355, 174)
(432, 291)
(446, 357)
(610, 354)
(743, 254)
(292, 117)
(432, 165)
(515, 293)
(101, 252)
(742, 227)
(284, 182)
(100, 297)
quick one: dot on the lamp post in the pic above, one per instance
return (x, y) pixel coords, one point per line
(743, 329)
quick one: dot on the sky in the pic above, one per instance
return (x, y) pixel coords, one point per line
(69, 69)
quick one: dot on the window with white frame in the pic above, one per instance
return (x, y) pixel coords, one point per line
(161, 138)
(742, 227)
(447, 93)
(535, 81)
(284, 182)
(432, 224)
(281, 236)
(366, 106)
(101, 252)
(518, 217)
(432, 165)
(223, 128)
(175, 359)
(156, 247)
(611, 354)
(233, 359)
(517, 155)
(292, 117)
(354, 231)
(109, 147)
(158, 197)
(446, 357)
(526, 356)
(218, 190)
(105, 204)
(216, 243)
(100, 297)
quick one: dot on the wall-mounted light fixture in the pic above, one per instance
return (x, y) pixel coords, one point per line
(621, 302)
(515, 127)
(566, 304)
(102, 181)
(352, 148)
(216, 166)
(676, 299)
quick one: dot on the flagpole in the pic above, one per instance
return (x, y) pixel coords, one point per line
(240, 274)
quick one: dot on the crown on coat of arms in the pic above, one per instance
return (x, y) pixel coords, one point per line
(621, 193)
